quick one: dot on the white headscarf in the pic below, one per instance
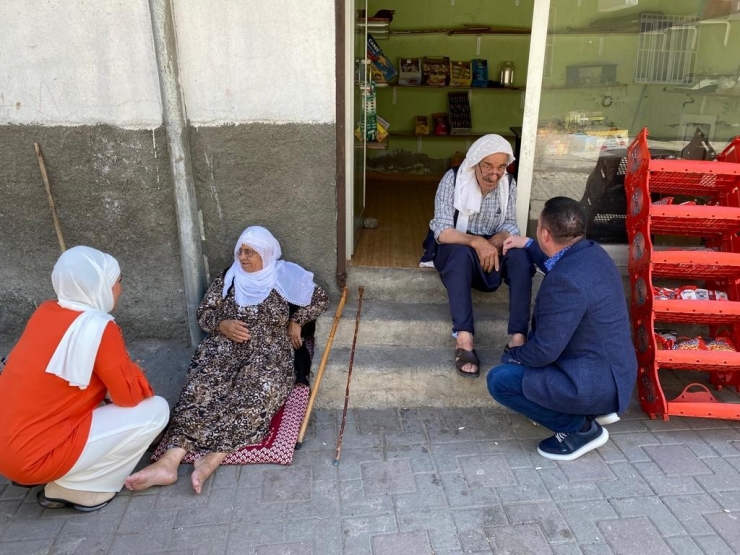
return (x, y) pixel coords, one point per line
(294, 284)
(468, 198)
(83, 279)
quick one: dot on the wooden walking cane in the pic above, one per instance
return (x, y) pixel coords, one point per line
(361, 289)
(320, 371)
(53, 207)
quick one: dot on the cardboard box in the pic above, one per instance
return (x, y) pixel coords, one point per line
(410, 71)
(435, 71)
(480, 72)
(382, 66)
(458, 107)
(421, 125)
(461, 74)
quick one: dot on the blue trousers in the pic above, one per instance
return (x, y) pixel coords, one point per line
(505, 386)
(460, 270)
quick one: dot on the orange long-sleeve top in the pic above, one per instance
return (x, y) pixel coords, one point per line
(45, 422)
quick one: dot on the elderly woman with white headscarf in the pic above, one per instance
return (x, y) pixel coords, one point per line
(244, 371)
(474, 213)
(54, 426)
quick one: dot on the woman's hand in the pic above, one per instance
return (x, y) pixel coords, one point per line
(236, 330)
(294, 332)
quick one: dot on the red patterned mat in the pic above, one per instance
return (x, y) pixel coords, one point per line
(279, 443)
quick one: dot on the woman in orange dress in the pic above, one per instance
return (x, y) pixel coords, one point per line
(55, 425)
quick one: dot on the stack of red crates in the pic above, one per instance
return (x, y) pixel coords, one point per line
(717, 221)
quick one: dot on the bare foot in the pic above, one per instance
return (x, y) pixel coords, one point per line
(465, 341)
(161, 473)
(204, 467)
(517, 340)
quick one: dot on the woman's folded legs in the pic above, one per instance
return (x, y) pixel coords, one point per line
(118, 438)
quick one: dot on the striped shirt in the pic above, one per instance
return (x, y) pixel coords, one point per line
(488, 221)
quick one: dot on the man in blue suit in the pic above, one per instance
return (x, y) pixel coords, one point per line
(578, 368)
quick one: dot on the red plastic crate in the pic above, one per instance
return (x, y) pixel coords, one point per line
(718, 222)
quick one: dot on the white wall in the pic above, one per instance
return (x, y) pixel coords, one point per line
(75, 62)
(244, 61)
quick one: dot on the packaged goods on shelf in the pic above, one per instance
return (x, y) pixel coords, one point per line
(368, 125)
(689, 293)
(461, 74)
(421, 125)
(435, 71)
(409, 71)
(440, 124)
(480, 72)
(458, 107)
(380, 63)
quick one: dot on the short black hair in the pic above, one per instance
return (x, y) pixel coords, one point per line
(564, 218)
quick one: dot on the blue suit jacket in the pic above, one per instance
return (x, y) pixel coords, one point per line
(579, 354)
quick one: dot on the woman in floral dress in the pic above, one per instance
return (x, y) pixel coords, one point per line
(243, 372)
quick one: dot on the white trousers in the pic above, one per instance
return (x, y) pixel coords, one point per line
(118, 438)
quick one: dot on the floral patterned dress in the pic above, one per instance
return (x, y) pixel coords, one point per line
(232, 390)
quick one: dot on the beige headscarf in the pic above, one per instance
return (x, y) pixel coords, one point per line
(468, 198)
(83, 279)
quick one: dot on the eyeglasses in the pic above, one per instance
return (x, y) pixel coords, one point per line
(249, 253)
(485, 167)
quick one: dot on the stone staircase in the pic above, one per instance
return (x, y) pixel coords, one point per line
(404, 354)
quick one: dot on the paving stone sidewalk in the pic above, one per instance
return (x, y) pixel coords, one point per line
(424, 481)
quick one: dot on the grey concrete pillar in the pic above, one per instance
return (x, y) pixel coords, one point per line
(173, 109)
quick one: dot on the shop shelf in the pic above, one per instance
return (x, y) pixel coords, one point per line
(693, 178)
(696, 312)
(719, 224)
(692, 264)
(701, 221)
(731, 153)
(699, 361)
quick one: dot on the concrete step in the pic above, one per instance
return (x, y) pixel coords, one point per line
(405, 377)
(413, 285)
(410, 324)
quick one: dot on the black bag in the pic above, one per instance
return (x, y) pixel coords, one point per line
(430, 243)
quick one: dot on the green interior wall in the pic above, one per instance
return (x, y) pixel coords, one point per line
(493, 110)
(634, 105)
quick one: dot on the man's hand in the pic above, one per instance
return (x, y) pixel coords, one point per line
(487, 254)
(515, 242)
(499, 239)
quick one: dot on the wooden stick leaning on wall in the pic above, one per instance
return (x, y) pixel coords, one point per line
(361, 289)
(320, 371)
(53, 207)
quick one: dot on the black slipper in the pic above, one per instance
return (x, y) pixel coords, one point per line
(49, 503)
(463, 357)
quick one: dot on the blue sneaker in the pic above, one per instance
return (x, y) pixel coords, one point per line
(567, 446)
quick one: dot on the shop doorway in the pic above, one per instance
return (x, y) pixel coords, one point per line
(433, 87)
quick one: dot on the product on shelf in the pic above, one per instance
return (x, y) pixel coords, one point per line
(368, 125)
(440, 124)
(458, 107)
(421, 125)
(435, 71)
(689, 293)
(480, 72)
(410, 71)
(461, 74)
(381, 66)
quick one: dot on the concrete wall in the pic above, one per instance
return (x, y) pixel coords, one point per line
(259, 92)
(81, 80)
